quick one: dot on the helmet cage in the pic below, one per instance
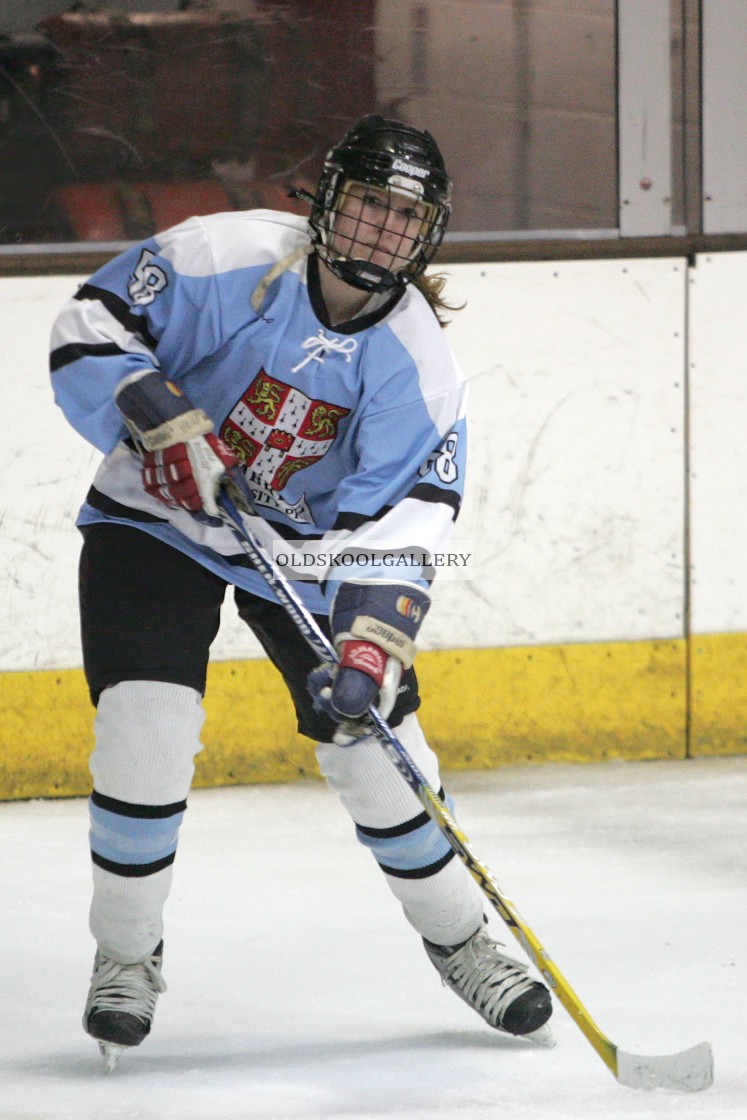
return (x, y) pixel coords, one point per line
(393, 158)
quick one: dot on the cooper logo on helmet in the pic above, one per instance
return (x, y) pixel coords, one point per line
(410, 169)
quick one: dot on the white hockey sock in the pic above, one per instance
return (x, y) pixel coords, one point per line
(147, 734)
(437, 893)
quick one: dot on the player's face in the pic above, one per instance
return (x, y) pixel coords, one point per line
(378, 225)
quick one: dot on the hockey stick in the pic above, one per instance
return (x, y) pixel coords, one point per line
(687, 1071)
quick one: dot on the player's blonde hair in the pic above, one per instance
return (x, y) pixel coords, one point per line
(432, 284)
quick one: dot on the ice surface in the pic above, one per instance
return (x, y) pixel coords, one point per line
(298, 991)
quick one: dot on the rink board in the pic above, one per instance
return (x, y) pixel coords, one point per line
(717, 503)
(481, 709)
(606, 501)
(574, 498)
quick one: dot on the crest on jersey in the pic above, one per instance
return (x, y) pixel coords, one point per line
(275, 431)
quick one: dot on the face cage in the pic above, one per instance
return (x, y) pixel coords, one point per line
(409, 255)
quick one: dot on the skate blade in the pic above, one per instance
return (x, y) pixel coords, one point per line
(543, 1036)
(111, 1053)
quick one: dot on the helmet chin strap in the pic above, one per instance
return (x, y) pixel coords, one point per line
(365, 275)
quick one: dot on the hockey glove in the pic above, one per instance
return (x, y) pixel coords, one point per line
(374, 626)
(183, 463)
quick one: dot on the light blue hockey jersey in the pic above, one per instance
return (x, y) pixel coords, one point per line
(353, 434)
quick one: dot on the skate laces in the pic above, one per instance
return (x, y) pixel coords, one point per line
(484, 977)
(132, 988)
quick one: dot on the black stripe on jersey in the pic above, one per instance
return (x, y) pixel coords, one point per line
(419, 872)
(111, 508)
(133, 870)
(355, 520)
(289, 533)
(398, 829)
(427, 492)
(422, 492)
(120, 310)
(128, 809)
(65, 355)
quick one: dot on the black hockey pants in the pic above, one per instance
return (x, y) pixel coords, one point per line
(149, 612)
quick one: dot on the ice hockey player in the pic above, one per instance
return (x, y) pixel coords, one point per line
(308, 354)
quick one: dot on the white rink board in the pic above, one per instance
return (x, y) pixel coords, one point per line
(718, 436)
(46, 470)
(575, 493)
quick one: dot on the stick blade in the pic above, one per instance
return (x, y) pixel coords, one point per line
(687, 1072)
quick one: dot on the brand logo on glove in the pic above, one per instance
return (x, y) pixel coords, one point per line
(364, 656)
(174, 389)
(408, 608)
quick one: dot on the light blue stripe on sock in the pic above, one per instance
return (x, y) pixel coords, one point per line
(123, 839)
(412, 850)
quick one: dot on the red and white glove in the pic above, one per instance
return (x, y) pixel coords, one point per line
(188, 475)
(183, 462)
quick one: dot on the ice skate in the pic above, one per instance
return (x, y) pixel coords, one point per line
(121, 1003)
(498, 987)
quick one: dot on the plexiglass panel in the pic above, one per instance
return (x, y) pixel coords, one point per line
(120, 118)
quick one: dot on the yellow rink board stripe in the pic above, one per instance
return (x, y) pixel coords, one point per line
(718, 675)
(481, 709)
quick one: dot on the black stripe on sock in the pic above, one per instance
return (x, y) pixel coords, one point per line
(419, 872)
(398, 829)
(128, 809)
(133, 870)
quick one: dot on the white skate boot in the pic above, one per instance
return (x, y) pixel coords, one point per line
(498, 987)
(121, 1003)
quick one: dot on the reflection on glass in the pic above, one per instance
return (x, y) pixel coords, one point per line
(522, 97)
(118, 119)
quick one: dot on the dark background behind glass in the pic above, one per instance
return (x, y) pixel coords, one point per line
(120, 119)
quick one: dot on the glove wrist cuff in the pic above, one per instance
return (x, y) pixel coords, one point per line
(392, 641)
(178, 430)
(157, 412)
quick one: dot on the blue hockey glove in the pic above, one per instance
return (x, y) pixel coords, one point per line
(374, 626)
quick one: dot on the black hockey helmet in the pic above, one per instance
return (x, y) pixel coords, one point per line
(393, 157)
